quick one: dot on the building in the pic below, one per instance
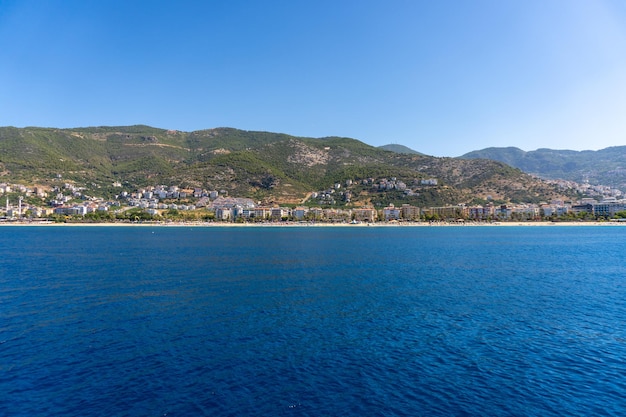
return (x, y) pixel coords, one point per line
(223, 213)
(391, 213)
(337, 215)
(582, 208)
(480, 212)
(526, 212)
(300, 212)
(277, 213)
(364, 214)
(262, 212)
(503, 212)
(447, 212)
(316, 213)
(410, 212)
(609, 208)
(557, 210)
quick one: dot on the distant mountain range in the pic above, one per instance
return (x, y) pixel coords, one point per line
(605, 167)
(270, 167)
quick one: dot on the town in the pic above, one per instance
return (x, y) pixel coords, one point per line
(160, 203)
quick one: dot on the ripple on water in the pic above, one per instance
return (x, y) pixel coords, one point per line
(393, 321)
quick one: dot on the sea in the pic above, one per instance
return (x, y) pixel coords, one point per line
(313, 321)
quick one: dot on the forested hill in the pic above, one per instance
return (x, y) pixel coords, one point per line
(272, 167)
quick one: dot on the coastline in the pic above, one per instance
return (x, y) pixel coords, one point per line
(297, 224)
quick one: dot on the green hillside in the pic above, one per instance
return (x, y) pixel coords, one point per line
(267, 166)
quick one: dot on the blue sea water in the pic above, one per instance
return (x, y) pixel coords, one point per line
(312, 321)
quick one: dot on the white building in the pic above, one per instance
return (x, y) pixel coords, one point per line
(391, 213)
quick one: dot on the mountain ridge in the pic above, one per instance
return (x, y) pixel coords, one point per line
(269, 167)
(397, 148)
(602, 167)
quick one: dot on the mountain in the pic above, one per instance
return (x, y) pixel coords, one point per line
(269, 167)
(604, 167)
(399, 149)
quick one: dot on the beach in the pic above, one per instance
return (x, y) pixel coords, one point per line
(313, 224)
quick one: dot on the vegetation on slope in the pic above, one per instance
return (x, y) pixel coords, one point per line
(266, 166)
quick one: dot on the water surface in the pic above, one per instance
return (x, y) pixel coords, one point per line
(141, 321)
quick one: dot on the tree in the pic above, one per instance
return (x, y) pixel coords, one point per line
(620, 214)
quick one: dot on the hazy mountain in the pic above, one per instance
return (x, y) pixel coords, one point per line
(262, 165)
(606, 166)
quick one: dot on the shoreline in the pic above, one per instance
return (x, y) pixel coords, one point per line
(296, 224)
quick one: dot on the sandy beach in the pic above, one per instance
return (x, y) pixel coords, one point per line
(320, 224)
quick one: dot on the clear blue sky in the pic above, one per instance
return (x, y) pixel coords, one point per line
(443, 77)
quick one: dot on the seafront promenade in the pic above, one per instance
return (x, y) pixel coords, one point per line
(310, 224)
